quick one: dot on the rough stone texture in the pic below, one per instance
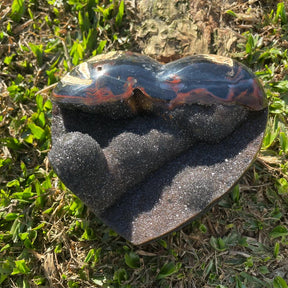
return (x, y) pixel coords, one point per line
(167, 30)
(187, 186)
(144, 176)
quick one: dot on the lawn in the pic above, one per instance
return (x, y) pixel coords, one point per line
(48, 237)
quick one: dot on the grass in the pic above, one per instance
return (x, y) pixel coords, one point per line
(48, 238)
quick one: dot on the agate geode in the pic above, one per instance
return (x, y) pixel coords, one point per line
(149, 146)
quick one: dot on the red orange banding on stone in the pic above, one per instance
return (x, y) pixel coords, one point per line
(200, 79)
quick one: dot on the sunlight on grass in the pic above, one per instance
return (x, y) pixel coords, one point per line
(48, 238)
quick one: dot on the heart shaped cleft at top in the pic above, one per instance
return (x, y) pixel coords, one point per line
(148, 147)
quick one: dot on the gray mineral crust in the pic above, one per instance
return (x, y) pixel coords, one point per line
(149, 174)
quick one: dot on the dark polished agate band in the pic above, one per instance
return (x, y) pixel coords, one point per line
(199, 79)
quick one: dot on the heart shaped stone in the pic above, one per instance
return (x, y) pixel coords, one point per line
(149, 157)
